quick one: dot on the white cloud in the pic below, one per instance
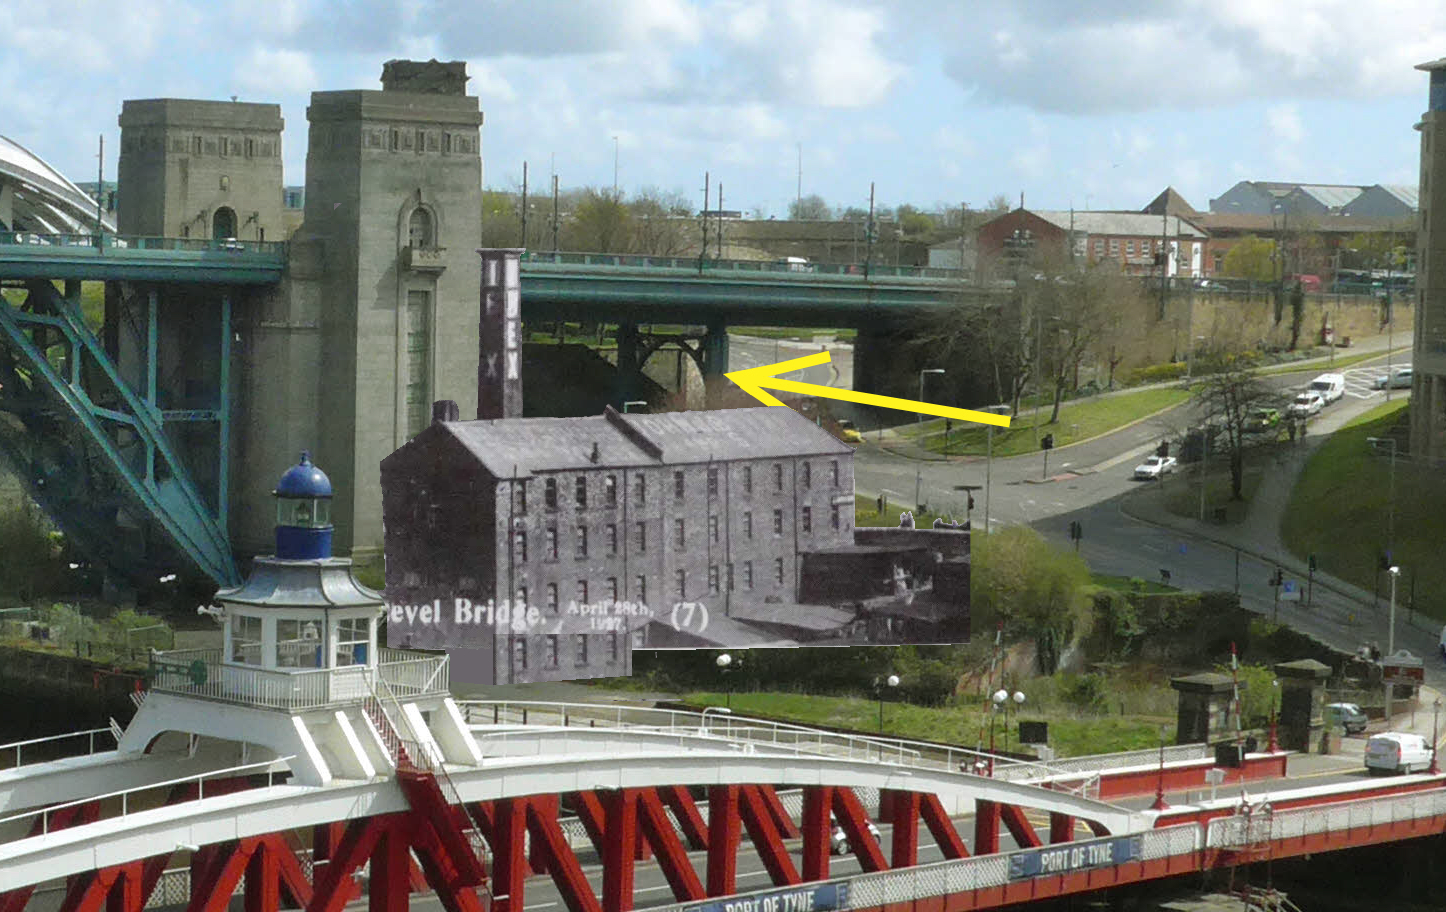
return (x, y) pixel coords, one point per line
(267, 71)
(1282, 123)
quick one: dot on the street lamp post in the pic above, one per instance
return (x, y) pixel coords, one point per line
(1391, 628)
(723, 661)
(1274, 693)
(892, 681)
(1435, 736)
(1160, 803)
(927, 370)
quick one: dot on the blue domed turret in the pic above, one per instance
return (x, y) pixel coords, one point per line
(303, 512)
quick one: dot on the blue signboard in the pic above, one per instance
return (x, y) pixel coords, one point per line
(1071, 857)
(818, 898)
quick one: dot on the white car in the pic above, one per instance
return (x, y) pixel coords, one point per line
(839, 841)
(1155, 466)
(1397, 752)
(1307, 404)
(1330, 386)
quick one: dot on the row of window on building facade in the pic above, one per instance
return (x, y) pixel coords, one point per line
(551, 644)
(1147, 247)
(680, 534)
(551, 489)
(681, 587)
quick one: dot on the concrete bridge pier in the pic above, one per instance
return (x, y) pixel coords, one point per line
(715, 350)
(628, 384)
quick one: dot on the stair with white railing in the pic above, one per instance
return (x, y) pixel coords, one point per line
(422, 774)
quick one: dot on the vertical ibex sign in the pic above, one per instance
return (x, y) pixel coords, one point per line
(499, 370)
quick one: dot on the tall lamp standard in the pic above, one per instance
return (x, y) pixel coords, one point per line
(1274, 694)
(1160, 803)
(723, 662)
(1435, 737)
(892, 681)
(1391, 628)
(927, 370)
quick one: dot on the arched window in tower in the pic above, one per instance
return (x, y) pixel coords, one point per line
(419, 230)
(223, 223)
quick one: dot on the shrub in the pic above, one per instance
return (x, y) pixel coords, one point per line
(1156, 373)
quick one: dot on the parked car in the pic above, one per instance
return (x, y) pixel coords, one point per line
(1330, 386)
(1306, 405)
(839, 841)
(1154, 467)
(1400, 378)
(1262, 420)
(1397, 752)
(1348, 716)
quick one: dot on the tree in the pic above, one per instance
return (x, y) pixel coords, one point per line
(601, 223)
(659, 222)
(913, 221)
(998, 205)
(1079, 313)
(1036, 589)
(1252, 258)
(1229, 393)
(809, 208)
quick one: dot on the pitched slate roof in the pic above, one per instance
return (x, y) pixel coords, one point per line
(533, 445)
(1332, 196)
(1169, 202)
(1131, 224)
(1406, 193)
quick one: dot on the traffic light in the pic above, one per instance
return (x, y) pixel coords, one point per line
(971, 501)
(1310, 562)
(1046, 442)
(1076, 530)
(1383, 563)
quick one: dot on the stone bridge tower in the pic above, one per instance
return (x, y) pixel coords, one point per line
(378, 316)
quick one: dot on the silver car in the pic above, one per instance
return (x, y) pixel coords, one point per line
(1400, 378)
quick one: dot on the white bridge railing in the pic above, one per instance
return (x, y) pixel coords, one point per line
(763, 733)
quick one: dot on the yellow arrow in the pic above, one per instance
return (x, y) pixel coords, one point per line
(754, 379)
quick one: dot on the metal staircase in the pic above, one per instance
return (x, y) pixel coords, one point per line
(422, 774)
(93, 452)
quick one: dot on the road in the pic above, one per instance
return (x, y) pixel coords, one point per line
(754, 351)
(1090, 481)
(1086, 473)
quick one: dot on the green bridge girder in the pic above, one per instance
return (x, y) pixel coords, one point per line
(25, 255)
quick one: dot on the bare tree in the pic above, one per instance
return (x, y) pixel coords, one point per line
(660, 222)
(1229, 395)
(1078, 315)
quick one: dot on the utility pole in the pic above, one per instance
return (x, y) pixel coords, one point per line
(524, 204)
(703, 250)
(798, 193)
(554, 213)
(869, 233)
(720, 220)
(615, 169)
(100, 192)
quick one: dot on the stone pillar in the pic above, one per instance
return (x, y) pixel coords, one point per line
(1204, 707)
(630, 371)
(715, 350)
(1299, 714)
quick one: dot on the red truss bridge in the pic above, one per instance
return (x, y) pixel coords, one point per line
(315, 801)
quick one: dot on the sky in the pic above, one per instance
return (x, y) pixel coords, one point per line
(936, 102)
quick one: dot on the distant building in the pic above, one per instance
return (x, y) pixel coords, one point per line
(569, 516)
(956, 254)
(1428, 396)
(1139, 243)
(1279, 198)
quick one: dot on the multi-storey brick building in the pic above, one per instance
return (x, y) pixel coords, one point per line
(682, 509)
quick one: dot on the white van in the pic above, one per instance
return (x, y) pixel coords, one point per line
(1330, 386)
(1397, 752)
